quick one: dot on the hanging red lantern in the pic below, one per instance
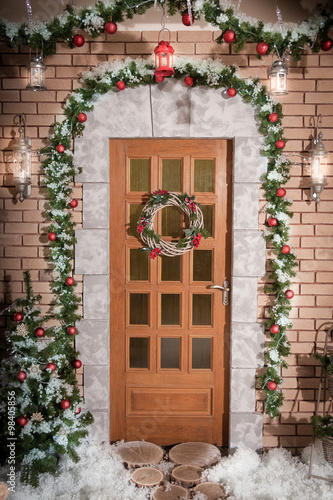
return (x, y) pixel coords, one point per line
(164, 57)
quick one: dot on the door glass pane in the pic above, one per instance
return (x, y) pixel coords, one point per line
(172, 175)
(135, 212)
(202, 309)
(139, 308)
(171, 222)
(170, 309)
(207, 212)
(138, 265)
(202, 265)
(170, 268)
(139, 349)
(139, 174)
(201, 353)
(204, 176)
(170, 352)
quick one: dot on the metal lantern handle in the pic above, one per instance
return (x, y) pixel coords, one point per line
(162, 31)
(22, 122)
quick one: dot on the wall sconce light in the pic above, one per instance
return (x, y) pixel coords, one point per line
(36, 73)
(22, 154)
(278, 78)
(318, 162)
(164, 56)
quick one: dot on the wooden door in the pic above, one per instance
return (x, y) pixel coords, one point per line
(169, 330)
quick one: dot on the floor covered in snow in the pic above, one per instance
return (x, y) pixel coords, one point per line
(100, 475)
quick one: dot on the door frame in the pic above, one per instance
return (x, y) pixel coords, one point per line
(248, 245)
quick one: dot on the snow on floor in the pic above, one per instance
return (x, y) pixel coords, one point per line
(100, 475)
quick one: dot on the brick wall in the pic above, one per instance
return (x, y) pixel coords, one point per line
(23, 226)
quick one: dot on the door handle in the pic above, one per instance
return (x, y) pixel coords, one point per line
(225, 289)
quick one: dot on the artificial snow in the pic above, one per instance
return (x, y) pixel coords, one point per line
(100, 475)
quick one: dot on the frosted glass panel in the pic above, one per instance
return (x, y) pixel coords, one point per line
(204, 176)
(170, 352)
(201, 353)
(207, 212)
(139, 308)
(170, 309)
(139, 174)
(139, 349)
(135, 212)
(171, 222)
(138, 265)
(202, 309)
(170, 268)
(172, 175)
(202, 265)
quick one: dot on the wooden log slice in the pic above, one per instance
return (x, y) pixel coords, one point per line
(187, 475)
(147, 476)
(172, 492)
(213, 491)
(138, 453)
(197, 454)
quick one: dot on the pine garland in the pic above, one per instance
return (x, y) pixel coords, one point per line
(291, 39)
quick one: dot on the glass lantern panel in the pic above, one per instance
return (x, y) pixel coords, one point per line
(22, 166)
(318, 168)
(282, 80)
(164, 59)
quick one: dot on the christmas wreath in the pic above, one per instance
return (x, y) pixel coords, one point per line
(193, 234)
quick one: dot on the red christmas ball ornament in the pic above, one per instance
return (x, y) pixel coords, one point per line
(51, 236)
(285, 249)
(78, 410)
(70, 281)
(274, 329)
(280, 144)
(186, 20)
(73, 203)
(18, 316)
(188, 81)
(22, 421)
(272, 385)
(231, 92)
(273, 117)
(111, 28)
(82, 117)
(60, 148)
(326, 45)
(120, 85)
(289, 294)
(78, 40)
(77, 363)
(229, 36)
(21, 376)
(272, 222)
(281, 192)
(65, 404)
(39, 332)
(262, 48)
(71, 330)
(159, 78)
(51, 366)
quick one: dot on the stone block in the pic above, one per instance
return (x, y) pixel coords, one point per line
(249, 253)
(96, 297)
(247, 345)
(92, 251)
(97, 387)
(93, 342)
(245, 429)
(96, 206)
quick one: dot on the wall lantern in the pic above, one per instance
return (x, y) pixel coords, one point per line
(164, 56)
(278, 78)
(318, 162)
(36, 74)
(22, 159)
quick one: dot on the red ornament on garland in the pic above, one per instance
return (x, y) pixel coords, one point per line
(159, 78)
(326, 45)
(18, 316)
(262, 48)
(289, 294)
(73, 203)
(71, 330)
(51, 366)
(229, 36)
(22, 421)
(65, 404)
(60, 148)
(21, 376)
(281, 192)
(272, 386)
(280, 144)
(186, 20)
(78, 410)
(82, 117)
(39, 332)
(231, 92)
(111, 28)
(77, 363)
(285, 249)
(188, 81)
(273, 117)
(272, 222)
(120, 85)
(78, 40)
(274, 329)
(70, 281)
(51, 236)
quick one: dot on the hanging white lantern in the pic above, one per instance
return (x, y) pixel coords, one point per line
(278, 78)
(22, 153)
(318, 164)
(36, 74)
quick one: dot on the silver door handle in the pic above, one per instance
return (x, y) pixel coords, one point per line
(225, 289)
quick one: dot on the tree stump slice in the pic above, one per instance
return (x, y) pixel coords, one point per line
(172, 492)
(197, 454)
(213, 491)
(147, 476)
(187, 475)
(138, 453)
